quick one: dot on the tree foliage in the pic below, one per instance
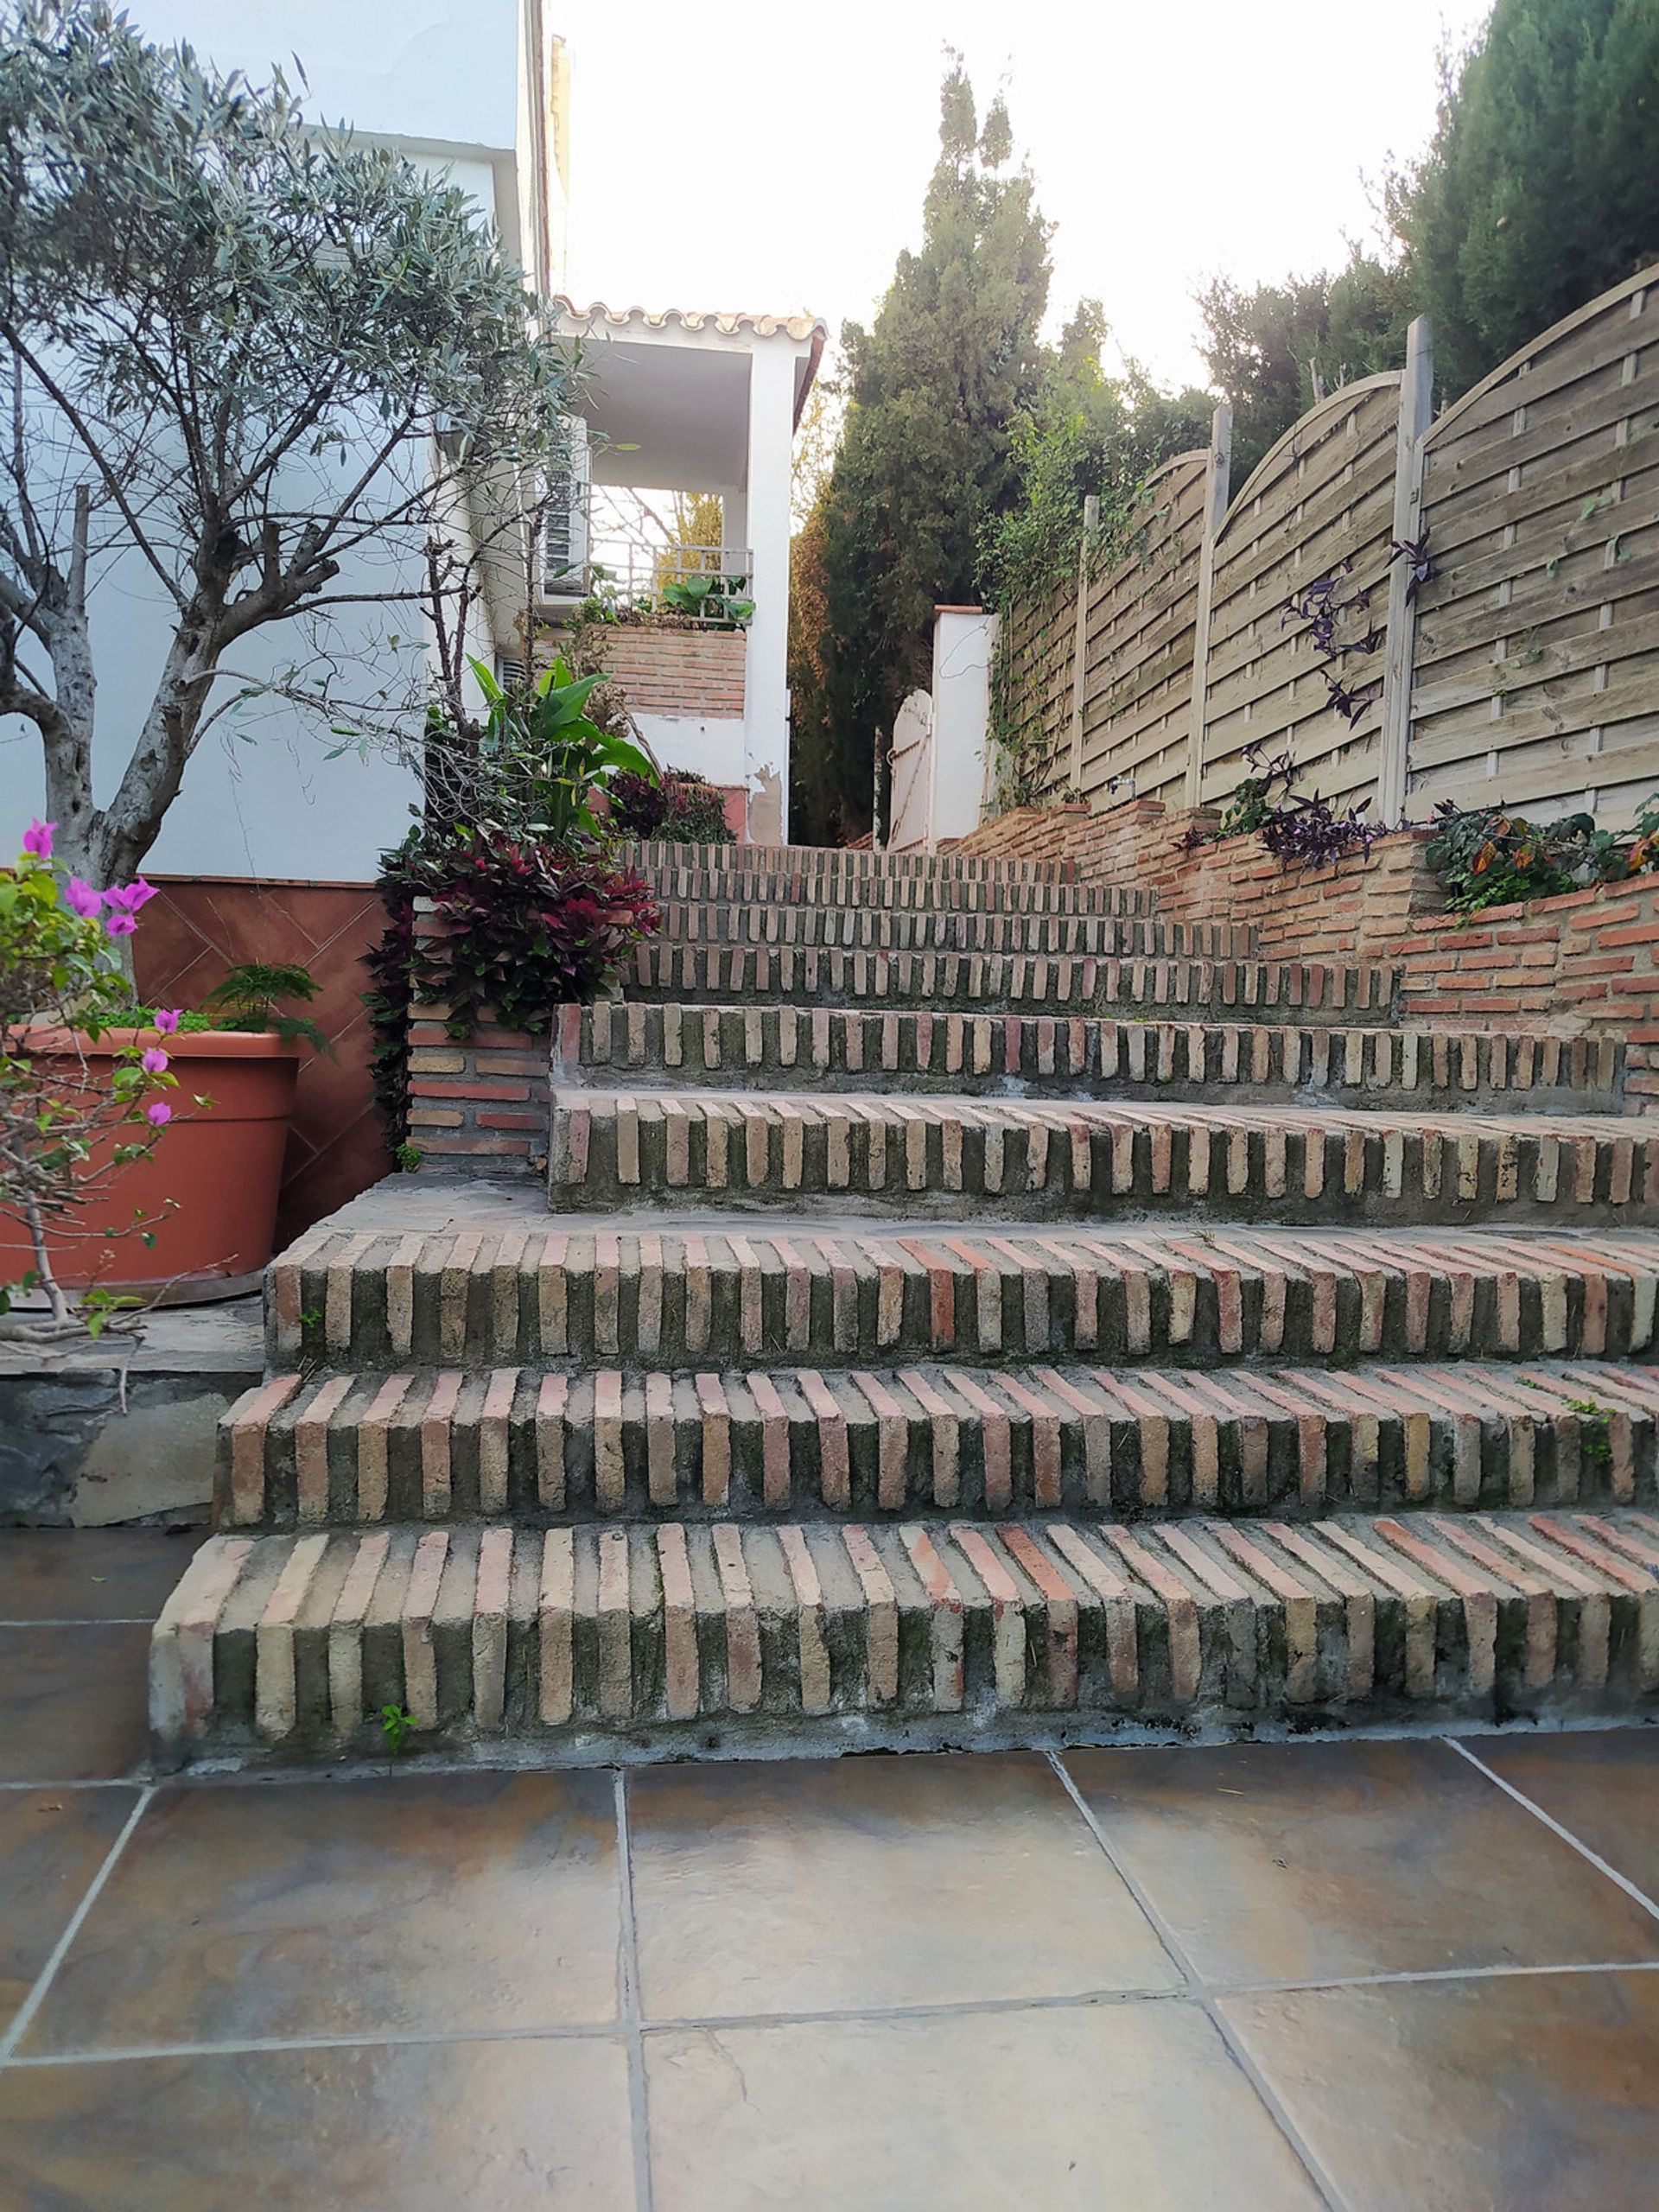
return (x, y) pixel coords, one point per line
(1086, 435)
(1540, 187)
(1274, 350)
(254, 361)
(933, 390)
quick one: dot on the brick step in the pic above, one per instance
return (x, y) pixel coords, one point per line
(859, 925)
(839, 862)
(955, 1158)
(672, 1641)
(744, 883)
(829, 1048)
(439, 1445)
(1004, 983)
(462, 1278)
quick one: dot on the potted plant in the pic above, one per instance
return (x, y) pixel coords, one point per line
(83, 1098)
(204, 1206)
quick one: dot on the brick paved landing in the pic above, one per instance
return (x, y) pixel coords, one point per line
(1409, 1976)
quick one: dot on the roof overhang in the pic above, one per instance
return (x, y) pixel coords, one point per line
(667, 396)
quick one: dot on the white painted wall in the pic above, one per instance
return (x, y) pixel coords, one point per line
(765, 694)
(711, 748)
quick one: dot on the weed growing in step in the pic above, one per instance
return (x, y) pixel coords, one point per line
(395, 1724)
(1594, 1422)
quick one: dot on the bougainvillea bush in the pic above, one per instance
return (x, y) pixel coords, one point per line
(70, 1121)
(527, 928)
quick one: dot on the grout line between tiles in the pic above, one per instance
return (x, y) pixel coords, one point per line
(1178, 1957)
(632, 2026)
(43, 1980)
(1201, 1995)
(1567, 1835)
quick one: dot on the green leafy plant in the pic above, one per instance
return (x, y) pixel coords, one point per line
(407, 1157)
(70, 1121)
(540, 762)
(1595, 1442)
(681, 809)
(716, 601)
(1486, 857)
(396, 1726)
(247, 1000)
(526, 928)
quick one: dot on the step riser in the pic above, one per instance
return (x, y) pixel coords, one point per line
(1025, 1164)
(445, 1301)
(295, 1647)
(909, 894)
(535, 1448)
(859, 927)
(823, 1049)
(998, 983)
(654, 856)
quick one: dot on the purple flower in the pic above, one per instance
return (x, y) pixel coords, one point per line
(158, 1115)
(120, 925)
(153, 1060)
(128, 898)
(81, 898)
(37, 839)
(167, 1021)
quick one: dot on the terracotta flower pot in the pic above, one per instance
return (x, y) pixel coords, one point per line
(221, 1165)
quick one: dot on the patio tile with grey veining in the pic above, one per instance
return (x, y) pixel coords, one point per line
(413, 1904)
(1511, 2093)
(1136, 2104)
(71, 1703)
(52, 1844)
(805, 1886)
(90, 1574)
(513, 2126)
(1301, 1862)
(1604, 1785)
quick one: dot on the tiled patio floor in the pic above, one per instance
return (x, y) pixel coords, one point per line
(1393, 1976)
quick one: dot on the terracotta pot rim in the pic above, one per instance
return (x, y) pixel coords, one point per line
(196, 1044)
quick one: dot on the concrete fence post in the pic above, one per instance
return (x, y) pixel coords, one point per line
(1416, 407)
(1217, 486)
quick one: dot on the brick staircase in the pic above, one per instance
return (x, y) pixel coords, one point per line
(963, 1308)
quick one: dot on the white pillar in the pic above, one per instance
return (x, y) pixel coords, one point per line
(766, 696)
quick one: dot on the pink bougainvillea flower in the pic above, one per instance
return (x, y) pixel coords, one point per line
(159, 1114)
(128, 898)
(37, 839)
(81, 898)
(167, 1020)
(119, 925)
(153, 1060)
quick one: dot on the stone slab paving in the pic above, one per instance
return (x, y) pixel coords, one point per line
(1367, 1974)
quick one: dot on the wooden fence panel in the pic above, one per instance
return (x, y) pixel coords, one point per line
(1531, 670)
(1536, 674)
(1320, 502)
(1137, 693)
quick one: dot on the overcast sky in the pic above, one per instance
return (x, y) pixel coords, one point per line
(774, 156)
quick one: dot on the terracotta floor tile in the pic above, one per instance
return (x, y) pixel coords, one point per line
(854, 1882)
(1298, 1861)
(1516, 2093)
(71, 1703)
(1136, 2105)
(90, 1574)
(52, 1843)
(425, 1904)
(517, 2126)
(1603, 1786)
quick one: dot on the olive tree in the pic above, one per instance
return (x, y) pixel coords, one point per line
(275, 372)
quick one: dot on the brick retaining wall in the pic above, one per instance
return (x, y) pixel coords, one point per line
(696, 673)
(1585, 962)
(481, 1104)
